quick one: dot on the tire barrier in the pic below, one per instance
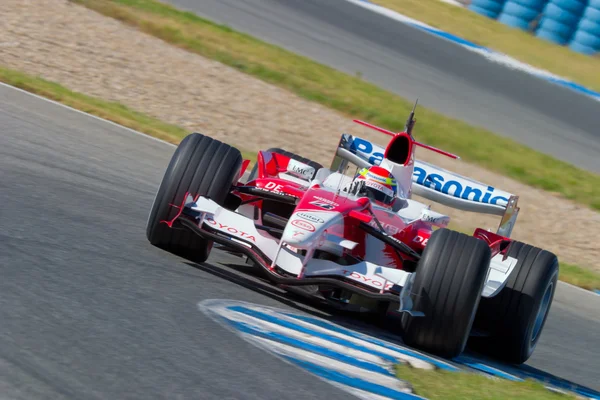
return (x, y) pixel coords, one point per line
(488, 8)
(573, 23)
(586, 38)
(560, 19)
(521, 13)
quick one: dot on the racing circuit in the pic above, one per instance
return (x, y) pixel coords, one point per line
(445, 77)
(91, 310)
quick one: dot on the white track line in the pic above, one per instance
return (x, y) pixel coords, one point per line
(85, 113)
(415, 362)
(329, 363)
(306, 338)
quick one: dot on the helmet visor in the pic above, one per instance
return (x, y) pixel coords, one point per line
(379, 192)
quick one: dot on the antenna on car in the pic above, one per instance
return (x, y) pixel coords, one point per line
(339, 188)
(410, 122)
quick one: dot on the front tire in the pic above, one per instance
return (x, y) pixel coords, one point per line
(200, 165)
(447, 288)
(515, 317)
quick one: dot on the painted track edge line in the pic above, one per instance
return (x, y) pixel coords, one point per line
(204, 306)
(86, 114)
(593, 292)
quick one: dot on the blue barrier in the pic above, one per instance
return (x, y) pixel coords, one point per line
(521, 13)
(574, 6)
(560, 20)
(555, 12)
(575, 23)
(586, 38)
(558, 28)
(589, 26)
(489, 8)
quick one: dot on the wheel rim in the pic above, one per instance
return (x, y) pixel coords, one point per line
(543, 310)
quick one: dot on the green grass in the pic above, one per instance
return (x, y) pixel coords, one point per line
(449, 385)
(122, 115)
(351, 96)
(111, 111)
(578, 276)
(519, 44)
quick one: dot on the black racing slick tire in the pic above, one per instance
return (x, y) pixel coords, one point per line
(289, 154)
(514, 318)
(200, 165)
(448, 283)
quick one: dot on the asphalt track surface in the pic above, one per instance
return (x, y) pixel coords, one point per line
(443, 75)
(89, 310)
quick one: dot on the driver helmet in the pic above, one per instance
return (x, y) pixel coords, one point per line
(378, 184)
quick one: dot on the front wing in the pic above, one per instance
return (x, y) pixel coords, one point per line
(283, 264)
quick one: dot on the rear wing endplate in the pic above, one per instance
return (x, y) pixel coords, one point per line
(435, 183)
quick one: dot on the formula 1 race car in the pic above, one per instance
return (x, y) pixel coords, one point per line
(355, 236)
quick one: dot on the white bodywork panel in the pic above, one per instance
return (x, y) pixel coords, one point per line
(242, 230)
(498, 274)
(437, 184)
(364, 272)
(236, 225)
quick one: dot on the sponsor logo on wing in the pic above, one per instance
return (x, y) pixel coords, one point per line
(230, 229)
(442, 219)
(453, 187)
(376, 282)
(456, 188)
(300, 169)
(311, 218)
(307, 226)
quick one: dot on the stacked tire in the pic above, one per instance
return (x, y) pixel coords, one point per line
(521, 13)
(489, 8)
(560, 20)
(586, 39)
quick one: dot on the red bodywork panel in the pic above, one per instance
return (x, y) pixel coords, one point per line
(415, 235)
(497, 243)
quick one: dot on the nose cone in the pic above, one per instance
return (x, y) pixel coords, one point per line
(305, 228)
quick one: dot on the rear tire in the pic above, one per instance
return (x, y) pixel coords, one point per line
(516, 316)
(447, 288)
(289, 154)
(200, 165)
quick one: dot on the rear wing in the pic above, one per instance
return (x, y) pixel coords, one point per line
(435, 183)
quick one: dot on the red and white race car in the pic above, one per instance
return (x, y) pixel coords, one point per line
(359, 239)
